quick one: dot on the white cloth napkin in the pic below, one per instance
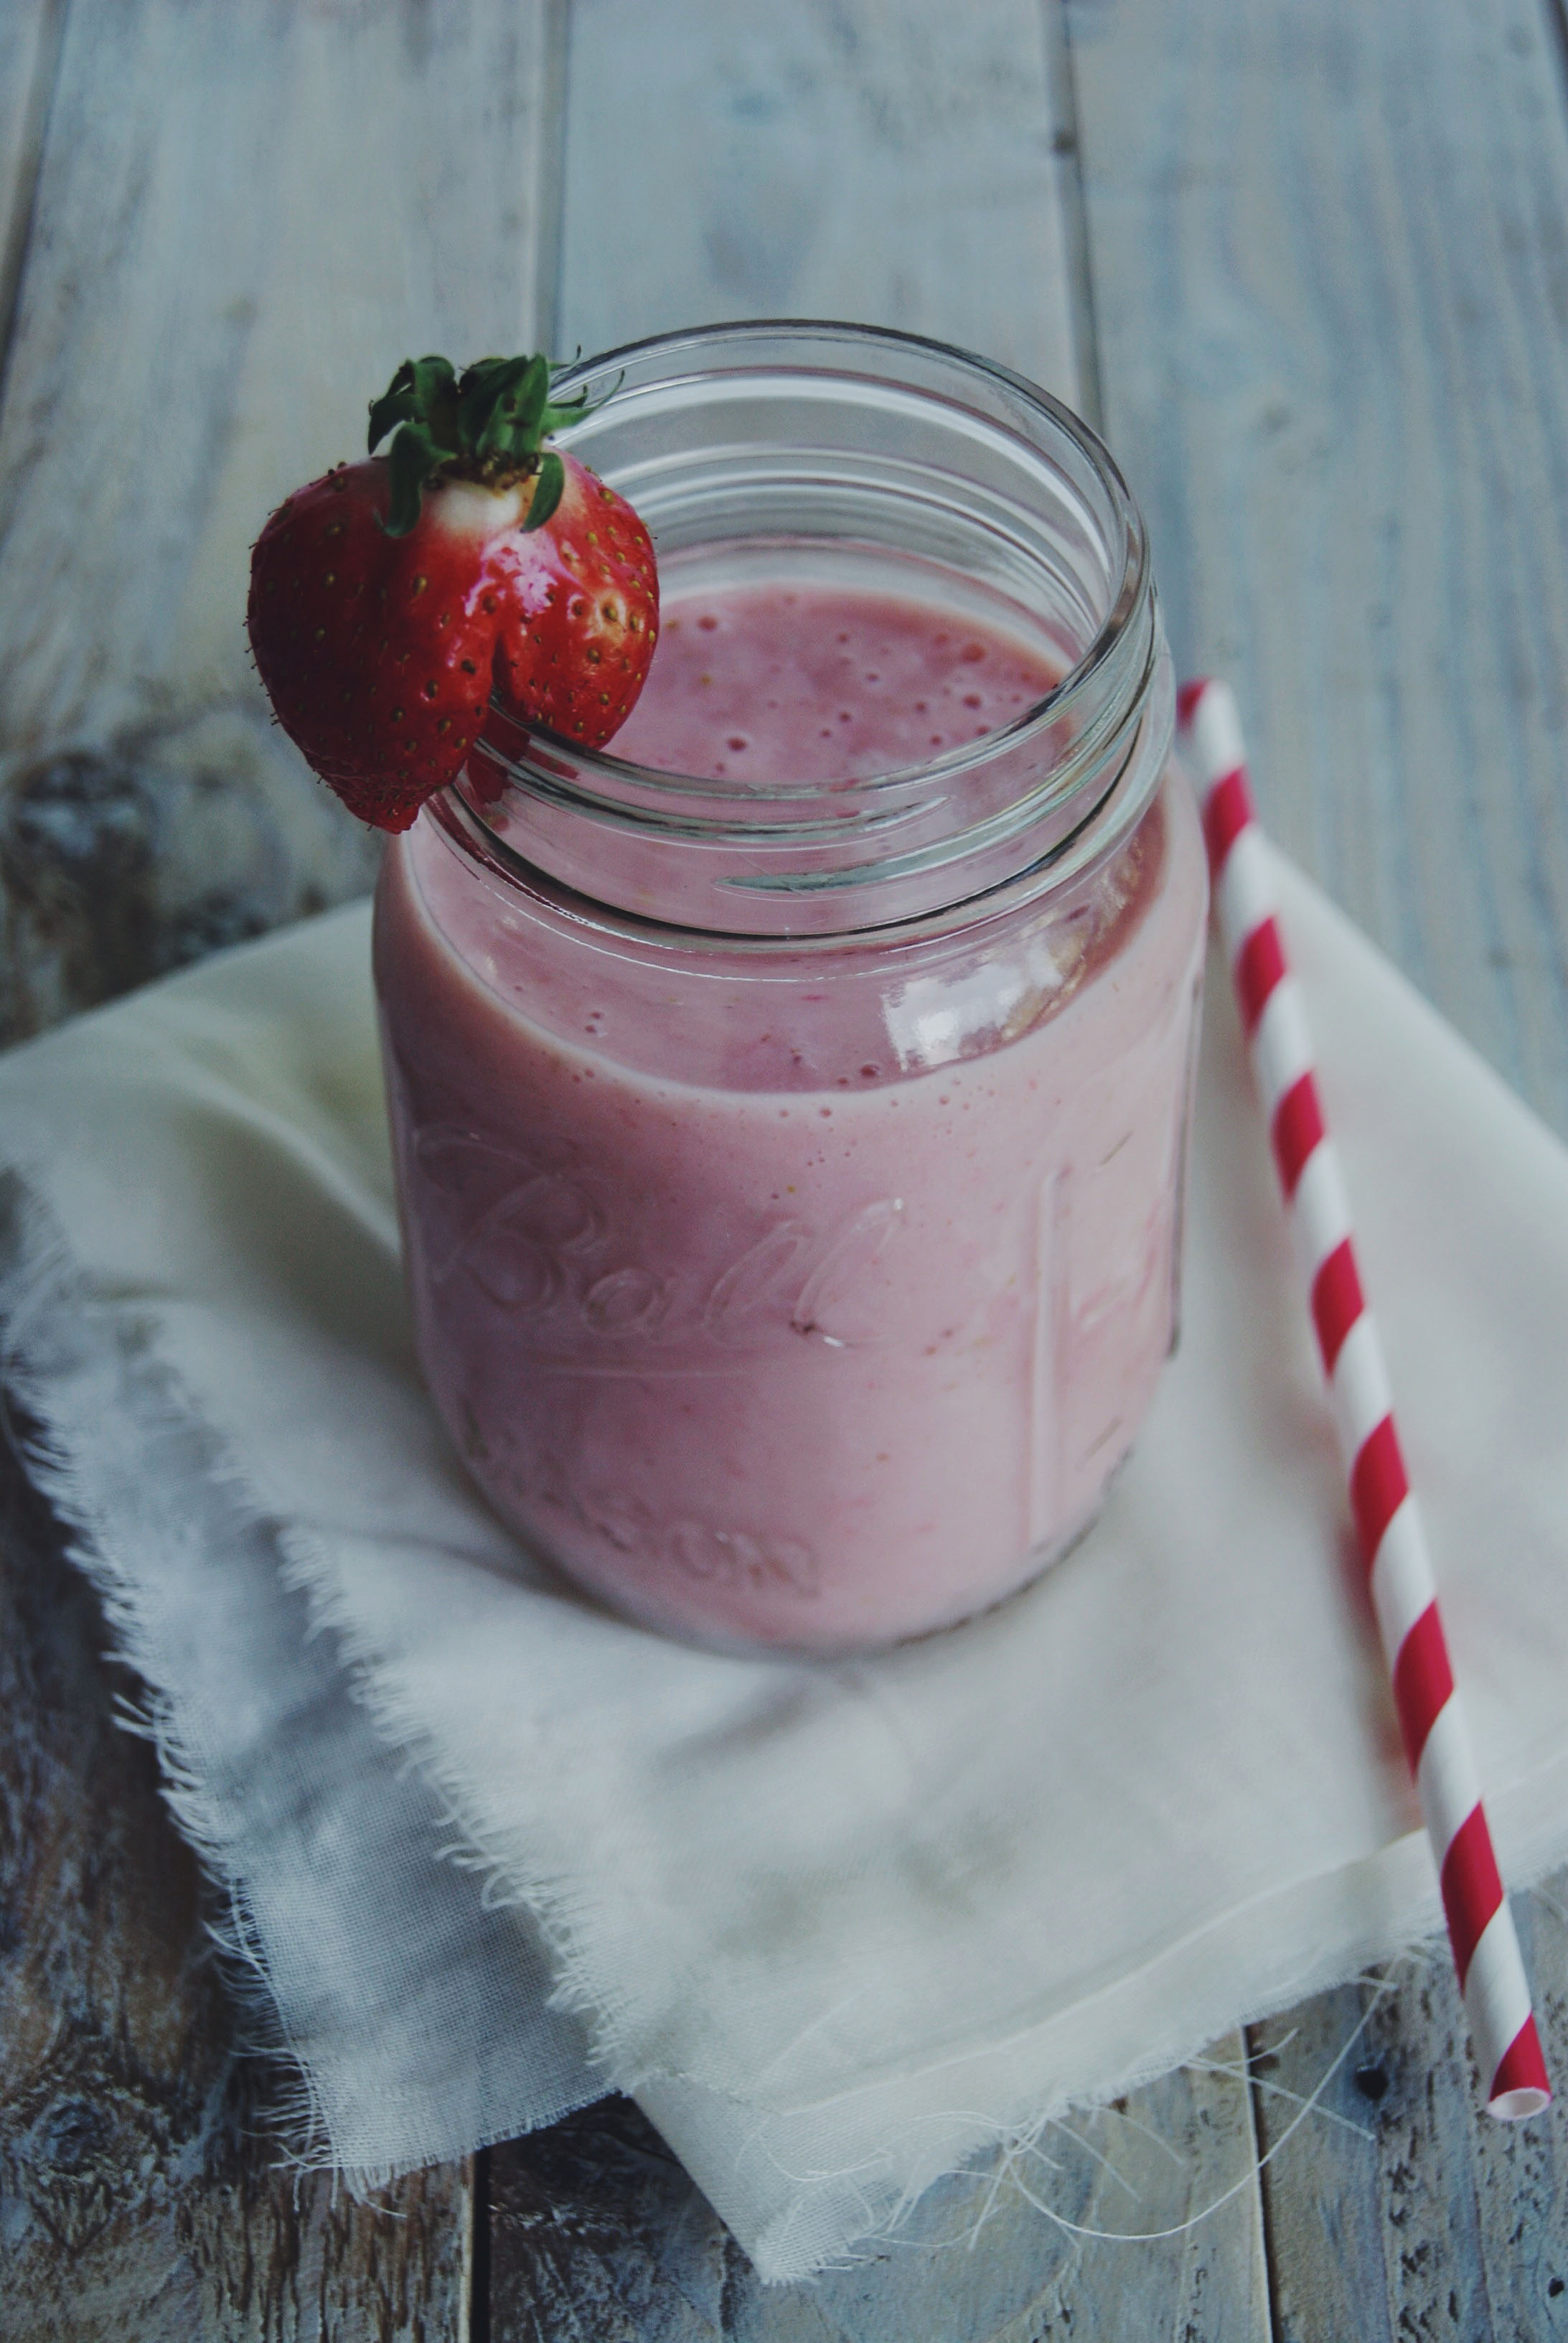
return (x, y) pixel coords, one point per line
(836, 1927)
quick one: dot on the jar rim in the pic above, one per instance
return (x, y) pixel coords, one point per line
(1057, 704)
(950, 462)
(1096, 835)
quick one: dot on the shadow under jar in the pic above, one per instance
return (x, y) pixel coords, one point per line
(790, 1165)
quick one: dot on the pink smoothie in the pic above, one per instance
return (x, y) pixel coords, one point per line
(811, 1296)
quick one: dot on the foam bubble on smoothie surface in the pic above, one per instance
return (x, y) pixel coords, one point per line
(767, 684)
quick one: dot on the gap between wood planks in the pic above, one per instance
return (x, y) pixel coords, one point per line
(30, 42)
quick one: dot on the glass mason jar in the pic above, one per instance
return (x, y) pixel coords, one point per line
(792, 1174)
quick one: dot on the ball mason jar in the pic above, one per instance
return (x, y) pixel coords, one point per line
(791, 1176)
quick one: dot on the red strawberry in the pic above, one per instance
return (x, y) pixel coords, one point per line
(390, 599)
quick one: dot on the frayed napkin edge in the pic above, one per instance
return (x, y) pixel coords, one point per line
(45, 1275)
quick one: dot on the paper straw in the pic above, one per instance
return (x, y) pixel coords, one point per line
(1486, 1954)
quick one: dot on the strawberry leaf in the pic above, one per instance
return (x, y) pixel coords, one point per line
(575, 409)
(548, 490)
(421, 391)
(411, 459)
(513, 403)
(435, 393)
(520, 415)
(396, 405)
(481, 392)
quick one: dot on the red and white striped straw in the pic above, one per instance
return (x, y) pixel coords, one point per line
(1486, 1954)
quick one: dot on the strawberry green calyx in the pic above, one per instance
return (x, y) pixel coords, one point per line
(386, 622)
(487, 423)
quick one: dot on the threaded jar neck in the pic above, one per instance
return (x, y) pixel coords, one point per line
(805, 453)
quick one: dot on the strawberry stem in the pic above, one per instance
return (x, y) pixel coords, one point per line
(489, 423)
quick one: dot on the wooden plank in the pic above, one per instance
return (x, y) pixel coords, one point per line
(1331, 287)
(889, 161)
(1332, 292)
(596, 2229)
(140, 2191)
(241, 220)
(244, 218)
(1401, 2208)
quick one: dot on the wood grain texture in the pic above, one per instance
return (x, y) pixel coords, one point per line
(29, 54)
(241, 220)
(141, 2192)
(1331, 287)
(1403, 2209)
(595, 2229)
(244, 218)
(890, 161)
(1330, 282)
(1330, 278)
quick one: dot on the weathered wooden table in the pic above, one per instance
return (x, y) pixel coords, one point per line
(1306, 261)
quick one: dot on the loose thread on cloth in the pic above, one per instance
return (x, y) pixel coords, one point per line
(1014, 2150)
